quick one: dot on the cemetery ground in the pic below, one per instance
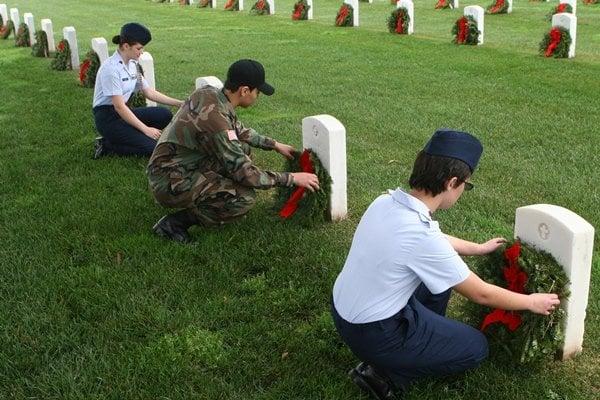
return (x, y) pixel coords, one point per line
(94, 306)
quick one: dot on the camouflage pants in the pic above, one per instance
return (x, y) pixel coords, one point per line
(212, 198)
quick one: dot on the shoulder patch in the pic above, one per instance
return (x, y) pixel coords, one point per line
(232, 135)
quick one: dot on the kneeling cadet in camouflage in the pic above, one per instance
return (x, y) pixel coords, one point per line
(201, 163)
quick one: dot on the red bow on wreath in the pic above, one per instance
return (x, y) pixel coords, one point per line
(400, 23)
(343, 14)
(298, 11)
(561, 8)
(85, 66)
(555, 38)
(290, 206)
(497, 7)
(260, 5)
(463, 26)
(516, 279)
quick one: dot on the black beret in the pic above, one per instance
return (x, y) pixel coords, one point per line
(134, 32)
(455, 144)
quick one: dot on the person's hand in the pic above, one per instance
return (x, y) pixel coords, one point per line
(543, 303)
(491, 245)
(152, 132)
(306, 180)
(285, 150)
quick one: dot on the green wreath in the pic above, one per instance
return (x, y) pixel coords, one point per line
(567, 8)
(588, 2)
(205, 4)
(62, 57)
(392, 21)
(472, 33)
(232, 5)
(40, 47)
(300, 11)
(313, 208)
(345, 15)
(137, 99)
(89, 69)
(6, 30)
(496, 8)
(184, 2)
(261, 7)
(538, 337)
(562, 49)
(22, 37)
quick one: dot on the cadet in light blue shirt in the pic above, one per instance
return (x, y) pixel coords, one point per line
(390, 299)
(125, 130)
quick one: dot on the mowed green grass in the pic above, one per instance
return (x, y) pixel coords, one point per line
(92, 305)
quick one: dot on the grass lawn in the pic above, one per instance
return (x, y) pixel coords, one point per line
(92, 305)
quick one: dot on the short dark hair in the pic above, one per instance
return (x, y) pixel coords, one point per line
(430, 173)
(121, 40)
(235, 86)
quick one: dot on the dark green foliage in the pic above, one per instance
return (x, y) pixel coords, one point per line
(22, 38)
(261, 7)
(562, 50)
(393, 20)
(494, 9)
(314, 206)
(348, 19)
(62, 57)
(89, 69)
(40, 48)
(539, 337)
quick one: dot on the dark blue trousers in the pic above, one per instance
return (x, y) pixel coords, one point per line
(122, 138)
(418, 341)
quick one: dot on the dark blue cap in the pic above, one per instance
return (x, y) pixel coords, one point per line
(455, 144)
(134, 32)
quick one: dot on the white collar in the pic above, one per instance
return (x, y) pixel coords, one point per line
(411, 202)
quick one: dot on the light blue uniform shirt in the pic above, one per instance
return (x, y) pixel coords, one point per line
(115, 78)
(396, 247)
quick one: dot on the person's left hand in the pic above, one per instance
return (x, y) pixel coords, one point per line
(285, 150)
(491, 245)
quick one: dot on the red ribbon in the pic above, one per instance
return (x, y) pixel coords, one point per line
(555, 38)
(496, 7)
(229, 4)
(260, 5)
(61, 46)
(463, 25)
(561, 8)
(399, 23)
(441, 4)
(298, 11)
(516, 279)
(290, 206)
(343, 14)
(83, 70)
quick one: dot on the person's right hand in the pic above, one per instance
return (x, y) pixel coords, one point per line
(152, 132)
(306, 180)
(543, 303)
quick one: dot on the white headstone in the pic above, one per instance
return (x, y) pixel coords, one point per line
(191, 2)
(71, 37)
(454, 4)
(241, 4)
(570, 240)
(209, 81)
(572, 3)
(569, 22)
(271, 6)
(326, 136)
(100, 46)
(28, 18)
(4, 13)
(16, 19)
(147, 63)
(309, 14)
(47, 27)
(213, 3)
(410, 7)
(477, 13)
(509, 6)
(354, 4)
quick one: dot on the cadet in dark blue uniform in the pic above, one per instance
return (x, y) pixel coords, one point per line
(127, 131)
(389, 300)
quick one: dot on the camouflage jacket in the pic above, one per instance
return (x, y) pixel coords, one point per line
(206, 136)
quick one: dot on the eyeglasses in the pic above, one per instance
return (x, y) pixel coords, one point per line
(468, 186)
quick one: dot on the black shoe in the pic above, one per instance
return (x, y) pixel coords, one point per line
(174, 227)
(99, 149)
(365, 377)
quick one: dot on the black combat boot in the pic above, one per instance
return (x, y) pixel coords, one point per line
(99, 149)
(365, 377)
(174, 226)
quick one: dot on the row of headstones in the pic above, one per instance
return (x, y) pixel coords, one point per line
(559, 231)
